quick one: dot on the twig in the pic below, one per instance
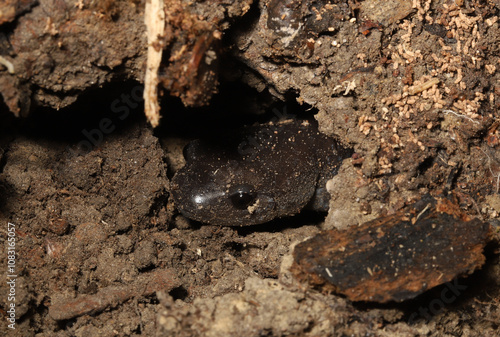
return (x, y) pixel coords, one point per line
(423, 86)
(109, 297)
(154, 18)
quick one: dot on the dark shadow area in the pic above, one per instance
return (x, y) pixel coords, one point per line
(6, 195)
(96, 113)
(234, 106)
(86, 123)
(306, 217)
(8, 126)
(179, 293)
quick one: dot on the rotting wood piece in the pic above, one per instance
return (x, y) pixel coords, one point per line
(112, 296)
(396, 257)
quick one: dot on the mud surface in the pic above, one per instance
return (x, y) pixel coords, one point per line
(412, 86)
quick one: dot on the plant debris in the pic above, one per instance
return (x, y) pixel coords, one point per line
(397, 257)
(154, 18)
(144, 285)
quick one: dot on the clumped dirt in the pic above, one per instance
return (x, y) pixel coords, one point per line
(412, 86)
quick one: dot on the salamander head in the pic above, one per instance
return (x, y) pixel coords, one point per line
(228, 195)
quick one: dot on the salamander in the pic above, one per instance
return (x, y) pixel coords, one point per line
(257, 174)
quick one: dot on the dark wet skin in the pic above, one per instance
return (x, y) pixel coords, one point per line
(257, 174)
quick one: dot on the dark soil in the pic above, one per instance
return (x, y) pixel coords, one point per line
(412, 86)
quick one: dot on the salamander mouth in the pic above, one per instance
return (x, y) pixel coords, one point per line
(261, 211)
(207, 208)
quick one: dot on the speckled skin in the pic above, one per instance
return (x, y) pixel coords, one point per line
(257, 174)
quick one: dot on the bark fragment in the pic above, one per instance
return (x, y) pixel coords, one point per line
(148, 284)
(397, 257)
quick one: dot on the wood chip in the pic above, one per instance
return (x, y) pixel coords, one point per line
(154, 18)
(397, 257)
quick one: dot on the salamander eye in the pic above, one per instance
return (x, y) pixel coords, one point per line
(242, 197)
